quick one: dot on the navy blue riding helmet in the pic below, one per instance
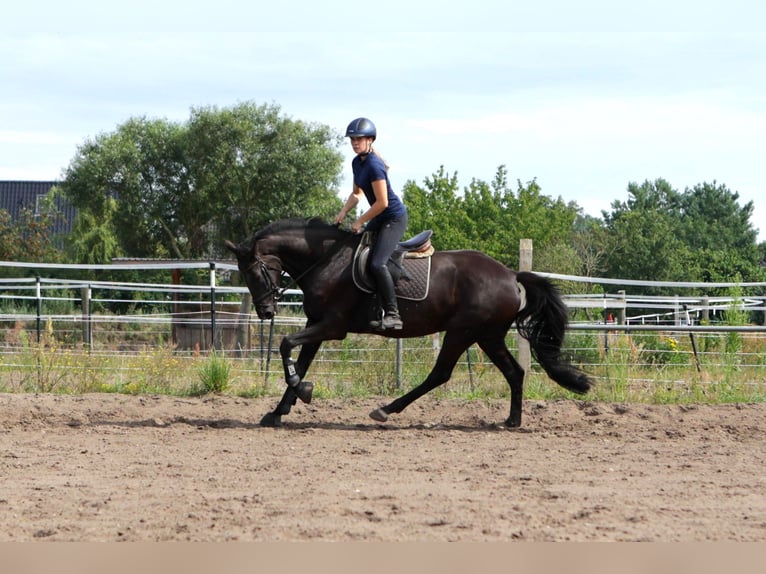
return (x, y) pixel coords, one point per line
(361, 128)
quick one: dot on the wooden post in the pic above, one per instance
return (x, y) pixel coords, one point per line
(87, 328)
(705, 310)
(212, 306)
(176, 274)
(621, 311)
(525, 264)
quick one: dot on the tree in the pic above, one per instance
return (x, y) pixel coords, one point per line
(165, 189)
(93, 241)
(647, 246)
(590, 243)
(715, 227)
(711, 218)
(699, 235)
(437, 206)
(253, 166)
(488, 217)
(134, 181)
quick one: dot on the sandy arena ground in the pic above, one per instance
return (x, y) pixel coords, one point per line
(107, 467)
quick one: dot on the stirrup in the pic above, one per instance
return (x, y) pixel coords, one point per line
(392, 322)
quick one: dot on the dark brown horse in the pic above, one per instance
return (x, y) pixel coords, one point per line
(472, 298)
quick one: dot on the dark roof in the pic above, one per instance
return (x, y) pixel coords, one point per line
(18, 195)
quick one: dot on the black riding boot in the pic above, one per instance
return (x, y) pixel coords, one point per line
(387, 295)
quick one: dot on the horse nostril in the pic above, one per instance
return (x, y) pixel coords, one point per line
(265, 312)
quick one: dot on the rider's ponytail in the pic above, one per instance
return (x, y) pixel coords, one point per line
(385, 163)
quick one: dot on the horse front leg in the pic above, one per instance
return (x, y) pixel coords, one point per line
(295, 371)
(274, 418)
(291, 394)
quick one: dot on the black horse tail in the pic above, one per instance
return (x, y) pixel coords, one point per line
(543, 321)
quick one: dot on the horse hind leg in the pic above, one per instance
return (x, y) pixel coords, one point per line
(452, 348)
(501, 357)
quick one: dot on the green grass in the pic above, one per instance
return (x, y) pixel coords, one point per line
(648, 368)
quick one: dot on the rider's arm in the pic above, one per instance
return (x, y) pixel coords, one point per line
(353, 199)
(380, 189)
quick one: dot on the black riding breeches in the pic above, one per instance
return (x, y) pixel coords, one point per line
(386, 239)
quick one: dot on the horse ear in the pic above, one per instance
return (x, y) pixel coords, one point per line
(231, 247)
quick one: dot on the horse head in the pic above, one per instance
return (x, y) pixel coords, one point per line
(295, 246)
(262, 273)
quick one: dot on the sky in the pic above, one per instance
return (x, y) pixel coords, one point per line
(584, 97)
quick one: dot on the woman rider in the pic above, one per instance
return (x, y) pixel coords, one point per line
(387, 215)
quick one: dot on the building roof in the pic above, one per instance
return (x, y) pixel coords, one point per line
(16, 196)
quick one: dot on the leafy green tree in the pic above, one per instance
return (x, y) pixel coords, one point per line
(489, 217)
(644, 242)
(720, 232)
(155, 188)
(711, 218)
(491, 208)
(591, 245)
(93, 241)
(136, 181)
(701, 234)
(253, 166)
(437, 206)
(647, 246)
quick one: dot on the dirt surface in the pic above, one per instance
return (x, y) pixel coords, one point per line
(114, 467)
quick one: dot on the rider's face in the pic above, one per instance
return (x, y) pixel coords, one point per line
(361, 144)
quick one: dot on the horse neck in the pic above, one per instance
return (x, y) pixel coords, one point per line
(299, 256)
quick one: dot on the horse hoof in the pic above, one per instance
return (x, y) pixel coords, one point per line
(379, 415)
(512, 423)
(305, 390)
(271, 420)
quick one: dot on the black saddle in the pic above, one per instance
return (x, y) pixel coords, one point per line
(409, 265)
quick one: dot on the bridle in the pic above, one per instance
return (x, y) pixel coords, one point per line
(272, 289)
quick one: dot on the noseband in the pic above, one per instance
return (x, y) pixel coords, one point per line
(272, 289)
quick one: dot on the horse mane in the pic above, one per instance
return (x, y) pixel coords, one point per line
(292, 223)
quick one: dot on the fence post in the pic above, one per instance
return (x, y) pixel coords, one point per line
(87, 325)
(705, 309)
(623, 307)
(399, 361)
(39, 297)
(525, 264)
(212, 305)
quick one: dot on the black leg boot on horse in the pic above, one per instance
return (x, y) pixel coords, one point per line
(387, 298)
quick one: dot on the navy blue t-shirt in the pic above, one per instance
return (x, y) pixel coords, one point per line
(372, 169)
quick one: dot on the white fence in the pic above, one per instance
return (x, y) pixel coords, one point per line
(194, 318)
